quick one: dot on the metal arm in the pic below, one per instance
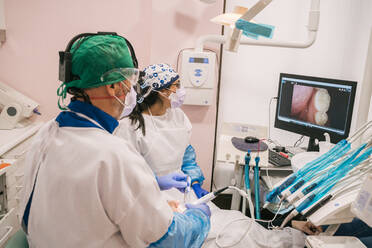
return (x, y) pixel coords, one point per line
(233, 39)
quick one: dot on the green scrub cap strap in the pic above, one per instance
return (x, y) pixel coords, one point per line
(62, 93)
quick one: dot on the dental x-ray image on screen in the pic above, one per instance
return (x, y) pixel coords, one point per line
(312, 106)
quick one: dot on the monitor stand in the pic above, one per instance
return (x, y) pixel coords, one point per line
(313, 146)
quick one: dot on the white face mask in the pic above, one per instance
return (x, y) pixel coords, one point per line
(177, 98)
(129, 104)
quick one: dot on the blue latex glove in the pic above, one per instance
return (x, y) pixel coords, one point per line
(199, 191)
(173, 180)
(203, 207)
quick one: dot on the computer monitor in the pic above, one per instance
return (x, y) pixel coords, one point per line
(312, 106)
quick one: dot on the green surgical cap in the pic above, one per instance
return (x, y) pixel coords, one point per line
(96, 55)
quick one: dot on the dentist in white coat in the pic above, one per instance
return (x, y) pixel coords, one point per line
(85, 187)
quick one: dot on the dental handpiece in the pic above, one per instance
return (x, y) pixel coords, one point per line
(209, 197)
(187, 189)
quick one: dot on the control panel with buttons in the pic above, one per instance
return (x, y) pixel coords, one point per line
(279, 158)
(197, 75)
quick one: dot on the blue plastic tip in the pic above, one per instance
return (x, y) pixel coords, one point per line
(36, 111)
(247, 159)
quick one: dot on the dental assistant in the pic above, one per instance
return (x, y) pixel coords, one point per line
(161, 132)
(85, 187)
(163, 129)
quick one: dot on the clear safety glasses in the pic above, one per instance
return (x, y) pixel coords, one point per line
(177, 84)
(121, 74)
(144, 88)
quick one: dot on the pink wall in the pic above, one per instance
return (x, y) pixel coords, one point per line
(158, 29)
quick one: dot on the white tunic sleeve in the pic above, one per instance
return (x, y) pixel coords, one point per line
(132, 199)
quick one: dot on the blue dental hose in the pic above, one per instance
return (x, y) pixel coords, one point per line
(343, 167)
(334, 176)
(317, 169)
(247, 183)
(319, 163)
(328, 185)
(257, 187)
(246, 170)
(335, 150)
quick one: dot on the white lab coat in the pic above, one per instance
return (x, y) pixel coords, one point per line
(92, 190)
(161, 134)
(164, 144)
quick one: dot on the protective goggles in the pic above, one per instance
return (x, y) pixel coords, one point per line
(122, 74)
(177, 84)
(146, 89)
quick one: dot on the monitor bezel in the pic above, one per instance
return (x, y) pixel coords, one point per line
(314, 132)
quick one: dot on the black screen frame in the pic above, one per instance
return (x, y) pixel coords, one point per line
(314, 132)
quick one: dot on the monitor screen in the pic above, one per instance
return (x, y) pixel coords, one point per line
(312, 106)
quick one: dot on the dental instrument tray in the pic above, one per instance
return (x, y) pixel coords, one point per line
(242, 145)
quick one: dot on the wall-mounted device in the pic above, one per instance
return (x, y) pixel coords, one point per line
(198, 76)
(14, 107)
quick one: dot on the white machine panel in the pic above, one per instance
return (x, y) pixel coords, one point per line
(333, 241)
(335, 211)
(362, 207)
(198, 77)
(14, 107)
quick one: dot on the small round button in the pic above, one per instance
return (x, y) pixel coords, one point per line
(12, 111)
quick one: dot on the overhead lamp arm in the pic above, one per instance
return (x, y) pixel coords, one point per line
(255, 9)
(233, 39)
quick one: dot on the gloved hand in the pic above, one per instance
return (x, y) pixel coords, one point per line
(199, 191)
(307, 227)
(203, 207)
(173, 180)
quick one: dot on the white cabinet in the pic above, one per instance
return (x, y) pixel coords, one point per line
(13, 177)
(8, 226)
